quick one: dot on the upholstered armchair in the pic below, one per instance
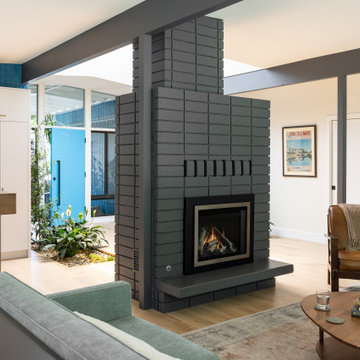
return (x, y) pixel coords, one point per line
(342, 263)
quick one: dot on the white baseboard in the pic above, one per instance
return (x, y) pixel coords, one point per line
(10, 255)
(298, 235)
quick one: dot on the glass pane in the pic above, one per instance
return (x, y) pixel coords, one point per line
(33, 104)
(111, 163)
(102, 110)
(97, 164)
(33, 141)
(64, 106)
(103, 207)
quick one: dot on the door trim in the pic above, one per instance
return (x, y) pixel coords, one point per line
(329, 130)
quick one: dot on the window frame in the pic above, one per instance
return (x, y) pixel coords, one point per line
(106, 195)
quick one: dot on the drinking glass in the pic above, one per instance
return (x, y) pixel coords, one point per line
(323, 300)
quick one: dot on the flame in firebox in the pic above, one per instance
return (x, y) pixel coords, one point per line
(214, 241)
(213, 236)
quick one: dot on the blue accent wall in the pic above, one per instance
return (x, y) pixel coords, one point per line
(11, 76)
(102, 116)
(70, 118)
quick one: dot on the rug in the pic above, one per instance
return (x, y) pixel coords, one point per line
(284, 333)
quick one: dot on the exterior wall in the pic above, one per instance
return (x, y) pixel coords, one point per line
(102, 116)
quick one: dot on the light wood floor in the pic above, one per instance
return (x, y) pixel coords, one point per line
(310, 274)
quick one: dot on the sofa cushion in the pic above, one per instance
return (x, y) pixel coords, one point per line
(163, 340)
(57, 328)
(132, 342)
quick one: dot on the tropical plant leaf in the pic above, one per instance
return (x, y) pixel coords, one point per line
(62, 252)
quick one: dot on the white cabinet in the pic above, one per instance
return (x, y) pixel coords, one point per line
(15, 170)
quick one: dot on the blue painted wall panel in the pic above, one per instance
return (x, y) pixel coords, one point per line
(10, 75)
(73, 118)
(102, 116)
(103, 207)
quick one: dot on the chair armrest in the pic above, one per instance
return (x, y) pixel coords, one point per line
(105, 302)
(333, 251)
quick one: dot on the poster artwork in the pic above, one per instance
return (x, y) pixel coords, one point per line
(299, 151)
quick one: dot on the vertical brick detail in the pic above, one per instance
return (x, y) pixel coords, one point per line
(126, 190)
(188, 56)
(260, 179)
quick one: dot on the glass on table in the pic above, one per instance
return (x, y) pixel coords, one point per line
(323, 300)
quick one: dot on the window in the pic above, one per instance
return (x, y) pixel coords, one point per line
(64, 105)
(102, 110)
(34, 104)
(102, 172)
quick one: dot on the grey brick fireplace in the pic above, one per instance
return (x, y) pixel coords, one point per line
(203, 144)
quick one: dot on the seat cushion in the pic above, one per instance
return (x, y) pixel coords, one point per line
(349, 260)
(163, 340)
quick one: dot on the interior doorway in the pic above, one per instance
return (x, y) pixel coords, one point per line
(353, 152)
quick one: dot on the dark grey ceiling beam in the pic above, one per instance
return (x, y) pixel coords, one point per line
(148, 17)
(318, 68)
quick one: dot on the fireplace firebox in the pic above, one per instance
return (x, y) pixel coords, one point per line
(218, 232)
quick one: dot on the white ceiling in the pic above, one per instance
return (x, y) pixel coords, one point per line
(113, 66)
(29, 28)
(266, 33)
(261, 33)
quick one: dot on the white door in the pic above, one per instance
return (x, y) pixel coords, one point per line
(14, 169)
(352, 163)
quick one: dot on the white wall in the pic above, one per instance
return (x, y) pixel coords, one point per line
(298, 206)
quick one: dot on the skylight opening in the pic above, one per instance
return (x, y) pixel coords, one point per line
(114, 66)
(233, 67)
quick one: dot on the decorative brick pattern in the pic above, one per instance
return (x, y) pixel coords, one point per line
(189, 56)
(200, 168)
(126, 190)
(195, 154)
(204, 143)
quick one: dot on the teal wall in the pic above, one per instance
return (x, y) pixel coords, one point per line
(10, 75)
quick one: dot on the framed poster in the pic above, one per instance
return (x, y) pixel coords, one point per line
(299, 151)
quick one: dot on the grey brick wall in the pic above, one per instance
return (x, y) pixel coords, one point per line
(205, 144)
(126, 192)
(189, 56)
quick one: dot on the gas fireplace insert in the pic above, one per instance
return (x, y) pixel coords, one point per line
(218, 232)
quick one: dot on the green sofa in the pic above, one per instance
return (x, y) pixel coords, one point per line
(34, 326)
